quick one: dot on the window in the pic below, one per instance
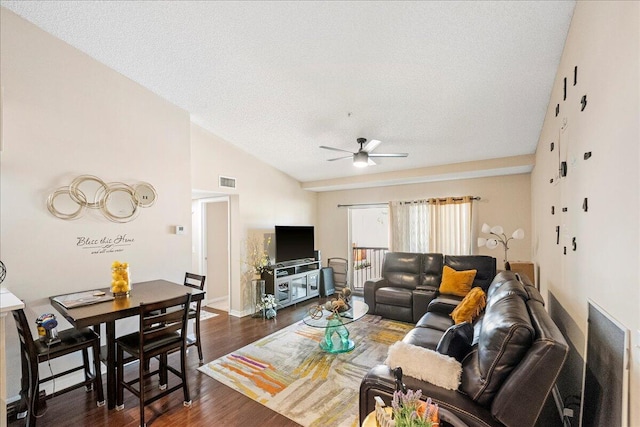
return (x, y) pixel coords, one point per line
(434, 225)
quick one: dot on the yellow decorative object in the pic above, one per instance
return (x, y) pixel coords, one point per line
(456, 282)
(120, 279)
(470, 307)
(121, 303)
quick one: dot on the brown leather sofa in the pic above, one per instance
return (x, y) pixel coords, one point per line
(507, 373)
(410, 281)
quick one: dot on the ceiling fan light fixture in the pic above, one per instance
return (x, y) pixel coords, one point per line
(364, 156)
(361, 159)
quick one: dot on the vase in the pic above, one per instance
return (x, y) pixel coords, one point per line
(257, 292)
(270, 313)
(120, 279)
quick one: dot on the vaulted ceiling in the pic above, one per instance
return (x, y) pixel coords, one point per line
(446, 82)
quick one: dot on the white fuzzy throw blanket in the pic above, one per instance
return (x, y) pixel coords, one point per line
(424, 364)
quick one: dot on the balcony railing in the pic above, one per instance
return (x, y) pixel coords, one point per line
(367, 264)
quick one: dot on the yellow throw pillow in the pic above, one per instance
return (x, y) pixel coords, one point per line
(456, 282)
(470, 307)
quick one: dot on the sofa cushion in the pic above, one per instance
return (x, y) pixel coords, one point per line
(470, 307)
(504, 289)
(432, 269)
(501, 278)
(485, 265)
(456, 341)
(533, 293)
(402, 269)
(456, 282)
(423, 337)
(395, 312)
(505, 336)
(394, 296)
(444, 304)
(434, 320)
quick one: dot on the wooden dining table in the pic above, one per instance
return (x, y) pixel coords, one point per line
(107, 312)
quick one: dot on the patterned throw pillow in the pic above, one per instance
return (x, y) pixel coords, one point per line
(470, 307)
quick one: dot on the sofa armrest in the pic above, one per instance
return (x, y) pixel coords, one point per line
(380, 381)
(539, 370)
(422, 296)
(444, 303)
(370, 288)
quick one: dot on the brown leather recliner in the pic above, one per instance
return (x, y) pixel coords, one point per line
(509, 370)
(410, 281)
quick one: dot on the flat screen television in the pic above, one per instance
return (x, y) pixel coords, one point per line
(294, 242)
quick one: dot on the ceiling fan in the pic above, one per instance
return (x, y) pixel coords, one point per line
(362, 158)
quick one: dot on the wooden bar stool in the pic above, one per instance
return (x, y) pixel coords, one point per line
(197, 282)
(162, 331)
(33, 352)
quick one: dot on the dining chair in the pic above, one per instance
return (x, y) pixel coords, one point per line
(162, 331)
(33, 352)
(195, 281)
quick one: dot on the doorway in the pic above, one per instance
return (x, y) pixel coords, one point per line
(214, 250)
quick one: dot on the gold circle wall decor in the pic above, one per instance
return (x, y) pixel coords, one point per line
(80, 196)
(63, 215)
(145, 194)
(117, 201)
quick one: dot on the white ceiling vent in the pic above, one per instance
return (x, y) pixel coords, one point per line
(226, 182)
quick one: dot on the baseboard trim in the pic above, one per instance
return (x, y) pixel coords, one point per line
(237, 313)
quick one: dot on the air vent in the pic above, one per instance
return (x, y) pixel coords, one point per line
(226, 182)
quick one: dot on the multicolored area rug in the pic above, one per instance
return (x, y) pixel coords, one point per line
(289, 373)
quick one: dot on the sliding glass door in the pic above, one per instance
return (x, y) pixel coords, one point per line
(369, 241)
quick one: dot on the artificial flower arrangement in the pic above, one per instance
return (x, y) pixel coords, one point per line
(267, 305)
(268, 301)
(408, 411)
(258, 257)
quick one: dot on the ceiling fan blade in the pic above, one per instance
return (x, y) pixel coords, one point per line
(340, 158)
(335, 149)
(389, 155)
(371, 145)
(371, 162)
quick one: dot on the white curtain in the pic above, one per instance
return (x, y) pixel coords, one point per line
(434, 225)
(450, 225)
(409, 226)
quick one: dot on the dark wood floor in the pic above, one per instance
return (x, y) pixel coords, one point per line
(214, 404)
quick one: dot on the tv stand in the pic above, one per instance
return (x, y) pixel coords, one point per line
(293, 281)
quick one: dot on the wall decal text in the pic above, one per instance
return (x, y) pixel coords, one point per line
(105, 245)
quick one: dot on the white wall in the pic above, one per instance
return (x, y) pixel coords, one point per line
(604, 42)
(64, 115)
(264, 197)
(505, 201)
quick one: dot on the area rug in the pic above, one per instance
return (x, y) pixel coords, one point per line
(289, 373)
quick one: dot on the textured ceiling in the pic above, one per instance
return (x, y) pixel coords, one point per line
(446, 82)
